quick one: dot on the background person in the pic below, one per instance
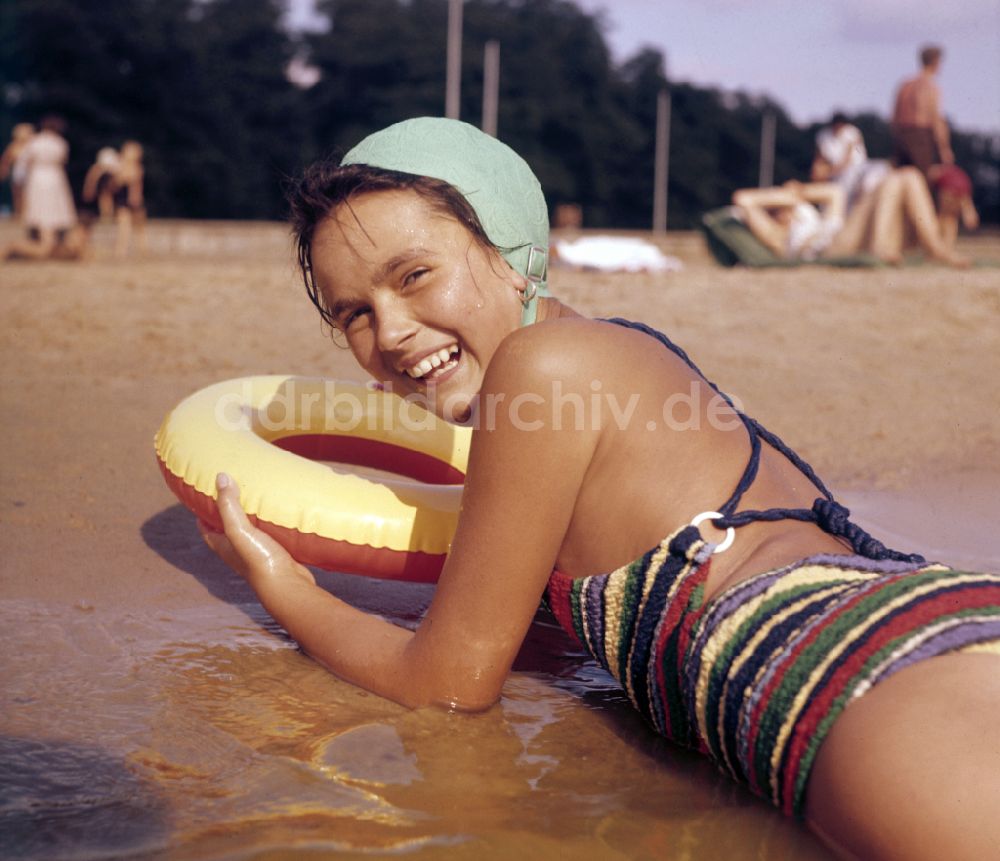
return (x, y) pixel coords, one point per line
(129, 199)
(805, 221)
(97, 195)
(49, 214)
(796, 221)
(953, 189)
(12, 167)
(842, 157)
(920, 133)
(99, 184)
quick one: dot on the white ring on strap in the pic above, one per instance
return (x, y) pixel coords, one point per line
(727, 542)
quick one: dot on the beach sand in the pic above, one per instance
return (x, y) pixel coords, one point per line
(887, 381)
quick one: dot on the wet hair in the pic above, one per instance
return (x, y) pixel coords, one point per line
(326, 185)
(930, 54)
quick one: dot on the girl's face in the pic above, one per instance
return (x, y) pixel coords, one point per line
(423, 305)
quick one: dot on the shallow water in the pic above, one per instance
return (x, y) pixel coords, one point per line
(205, 734)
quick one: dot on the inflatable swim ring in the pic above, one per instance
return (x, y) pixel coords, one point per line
(304, 451)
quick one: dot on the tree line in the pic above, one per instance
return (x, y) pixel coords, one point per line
(204, 86)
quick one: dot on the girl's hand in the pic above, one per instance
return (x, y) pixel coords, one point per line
(251, 553)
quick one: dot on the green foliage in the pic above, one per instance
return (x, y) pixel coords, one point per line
(203, 84)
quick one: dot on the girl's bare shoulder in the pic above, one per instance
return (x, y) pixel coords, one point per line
(574, 349)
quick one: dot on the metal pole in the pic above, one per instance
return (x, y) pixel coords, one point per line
(661, 169)
(491, 86)
(767, 138)
(453, 83)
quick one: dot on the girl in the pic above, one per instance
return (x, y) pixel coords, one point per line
(700, 561)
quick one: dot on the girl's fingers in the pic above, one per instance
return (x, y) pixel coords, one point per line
(220, 545)
(206, 528)
(252, 545)
(241, 545)
(240, 532)
(228, 502)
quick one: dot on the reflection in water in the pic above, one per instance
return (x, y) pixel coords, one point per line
(205, 734)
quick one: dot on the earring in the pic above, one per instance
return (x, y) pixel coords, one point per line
(527, 293)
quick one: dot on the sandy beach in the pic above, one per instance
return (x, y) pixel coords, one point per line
(887, 381)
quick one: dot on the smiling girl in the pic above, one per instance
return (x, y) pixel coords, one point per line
(702, 562)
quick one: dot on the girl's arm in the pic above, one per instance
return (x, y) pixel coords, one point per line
(522, 484)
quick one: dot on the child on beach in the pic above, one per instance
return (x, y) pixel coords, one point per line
(953, 188)
(129, 200)
(702, 563)
(12, 167)
(98, 191)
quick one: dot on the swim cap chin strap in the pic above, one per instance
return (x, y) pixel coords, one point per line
(496, 181)
(536, 272)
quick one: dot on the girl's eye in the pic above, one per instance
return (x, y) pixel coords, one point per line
(353, 317)
(411, 277)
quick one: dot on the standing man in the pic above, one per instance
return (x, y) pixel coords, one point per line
(919, 130)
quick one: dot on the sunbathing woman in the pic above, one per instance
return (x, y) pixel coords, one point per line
(700, 561)
(808, 221)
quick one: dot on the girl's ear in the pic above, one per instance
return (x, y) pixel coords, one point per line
(503, 270)
(516, 280)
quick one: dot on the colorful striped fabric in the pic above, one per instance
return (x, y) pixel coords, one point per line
(756, 677)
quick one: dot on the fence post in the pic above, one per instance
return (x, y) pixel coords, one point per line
(767, 139)
(453, 82)
(661, 169)
(491, 86)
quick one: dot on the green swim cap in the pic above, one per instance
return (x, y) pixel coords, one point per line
(496, 181)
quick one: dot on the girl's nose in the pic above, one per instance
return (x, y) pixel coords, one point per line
(394, 326)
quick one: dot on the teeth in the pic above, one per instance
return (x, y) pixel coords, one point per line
(432, 362)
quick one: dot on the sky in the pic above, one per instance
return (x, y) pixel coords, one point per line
(814, 56)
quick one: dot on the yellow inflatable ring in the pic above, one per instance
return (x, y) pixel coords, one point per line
(303, 451)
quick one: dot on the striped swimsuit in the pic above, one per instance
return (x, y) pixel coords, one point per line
(756, 677)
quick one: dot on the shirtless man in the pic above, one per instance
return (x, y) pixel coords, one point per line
(919, 130)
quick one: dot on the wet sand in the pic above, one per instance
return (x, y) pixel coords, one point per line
(127, 644)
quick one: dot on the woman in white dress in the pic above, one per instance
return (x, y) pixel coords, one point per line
(49, 213)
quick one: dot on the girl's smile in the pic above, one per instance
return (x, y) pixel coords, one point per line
(423, 304)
